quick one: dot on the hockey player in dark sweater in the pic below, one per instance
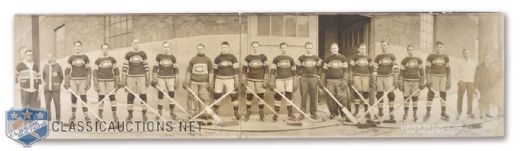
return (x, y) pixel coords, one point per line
(199, 78)
(136, 77)
(411, 80)
(165, 75)
(28, 79)
(77, 78)
(226, 77)
(335, 76)
(284, 79)
(361, 70)
(438, 78)
(309, 66)
(106, 79)
(387, 70)
(256, 72)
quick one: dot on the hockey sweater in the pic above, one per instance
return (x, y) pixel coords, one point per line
(106, 68)
(226, 65)
(79, 66)
(27, 76)
(255, 66)
(136, 65)
(284, 66)
(384, 64)
(411, 68)
(360, 65)
(200, 67)
(309, 65)
(334, 66)
(167, 66)
(438, 63)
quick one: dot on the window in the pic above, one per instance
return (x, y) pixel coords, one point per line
(426, 32)
(118, 31)
(59, 41)
(283, 25)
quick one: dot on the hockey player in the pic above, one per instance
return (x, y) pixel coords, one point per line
(283, 78)
(77, 78)
(52, 80)
(27, 76)
(136, 77)
(309, 66)
(335, 76)
(411, 80)
(106, 79)
(165, 75)
(438, 78)
(361, 70)
(199, 78)
(256, 71)
(386, 67)
(226, 77)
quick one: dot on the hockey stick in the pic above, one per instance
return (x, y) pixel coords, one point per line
(401, 104)
(296, 107)
(260, 99)
(146, 104)
(105, 97)
(343, 108)
(364, 100)
(173, 100)
(85, 104)
(447, 106)
(376, 103)
(206, 107)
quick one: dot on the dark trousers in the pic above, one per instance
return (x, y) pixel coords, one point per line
(309, 87)
(334, 86)
(30, 99)
(468, 88)
(49, 97)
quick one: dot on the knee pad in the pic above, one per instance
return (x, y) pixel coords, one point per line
(365, 95)
(443, 95)
(160, 95)
(289, 95)
(83, 98)
(171, 94)
(73, 99)
(391, 96)
(415, 98)
(249, 97)
(261, 95)
(143, 97)
(112, 97)
(234, 96)
(101, 97)
(217, 95)
(278, 96)
(379, 95)
(357, 96)
(130, 98)
(430, 95)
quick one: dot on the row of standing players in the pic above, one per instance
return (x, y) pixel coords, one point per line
(335, 73)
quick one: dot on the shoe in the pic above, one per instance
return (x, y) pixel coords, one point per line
(262, 116)
(73, 118)
(291, 116)
(173, 116)
(248, 114)
(445, 116)
(405, 115)
(87, 118)
(426, 117)
(332, 116)
(471, 116)
(275, 118)
(301, 117)
(415, 117)
(237, 115)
